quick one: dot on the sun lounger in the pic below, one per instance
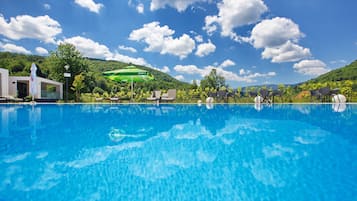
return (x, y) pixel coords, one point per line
(169, 96)
(12, 99)
(265, 95)
(155, 96)
(114, 99)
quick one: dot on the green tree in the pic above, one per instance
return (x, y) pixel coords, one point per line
(66, 54)
(194, 84)
(78, 85)
(213, 80)
(289, 94)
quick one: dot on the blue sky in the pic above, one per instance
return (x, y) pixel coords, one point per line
(249, 42)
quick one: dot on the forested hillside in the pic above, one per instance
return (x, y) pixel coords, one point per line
(348, 72)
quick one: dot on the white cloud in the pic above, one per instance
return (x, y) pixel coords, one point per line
(130, 49)
(90, 5)
(165, 69)
(288, 52)
(92, 49)
(89, 48)
(127, 59)
(42, 28)
(233, 14)
(228, 75)
(311, 67)
(275, 32)
(244, 72)
(179, 77)
(279, 37)
(205, 49)
(227, 63)
(179, 5)
(341, 61)
(159, 39)
(190, 69)
(41, 51)
(14, 48)
(256, 75)
(140, 8)
(210, 26)
(47, 6)
(199, 38)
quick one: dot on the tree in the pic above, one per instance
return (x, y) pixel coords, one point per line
(213, 80)
(78, 85)
(194, 84)
(66, 54)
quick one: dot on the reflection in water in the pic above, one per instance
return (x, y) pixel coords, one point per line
(236, 152)
(303, 109)
(339, 107)
(258, 106)
(209, 105)
(117, 135)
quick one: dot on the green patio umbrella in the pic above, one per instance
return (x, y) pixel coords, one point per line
(129, 74)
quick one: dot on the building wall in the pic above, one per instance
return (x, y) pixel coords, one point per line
(13, 84)
(9, 84)
(4, 83)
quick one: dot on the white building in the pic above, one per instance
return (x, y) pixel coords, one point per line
(19, 86)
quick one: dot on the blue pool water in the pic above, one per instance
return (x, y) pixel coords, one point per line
(178, 152)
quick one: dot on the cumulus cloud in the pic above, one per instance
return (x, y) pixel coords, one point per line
(14, 48)
(165, 69)
(92, 49)
(42, 28)
(275, 32)
(199, 38)
(140, 8)
(41, 51)
(278, 37)
(288, 52)
(179, 77)
(228, 75)
(89, 48)
(127, 59)
(205, 49)
(47, 6)
(90, 5)
(159, 39)
(227, 63)
(341, 61)
(311, 67)
(130, 49)
(233, 14)
(179, 5)
(190, 69)
(244, 72)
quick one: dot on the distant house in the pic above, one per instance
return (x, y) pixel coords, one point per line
(19, 86)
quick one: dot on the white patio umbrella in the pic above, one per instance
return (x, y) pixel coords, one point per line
(33, 81)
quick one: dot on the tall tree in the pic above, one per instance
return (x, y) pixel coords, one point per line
(66, 54)
(213, 80)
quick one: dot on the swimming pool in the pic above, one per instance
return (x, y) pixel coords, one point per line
(178, 152)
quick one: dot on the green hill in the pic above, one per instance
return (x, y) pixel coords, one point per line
(348, 72)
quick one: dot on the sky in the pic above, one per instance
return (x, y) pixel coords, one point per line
(249, 42)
